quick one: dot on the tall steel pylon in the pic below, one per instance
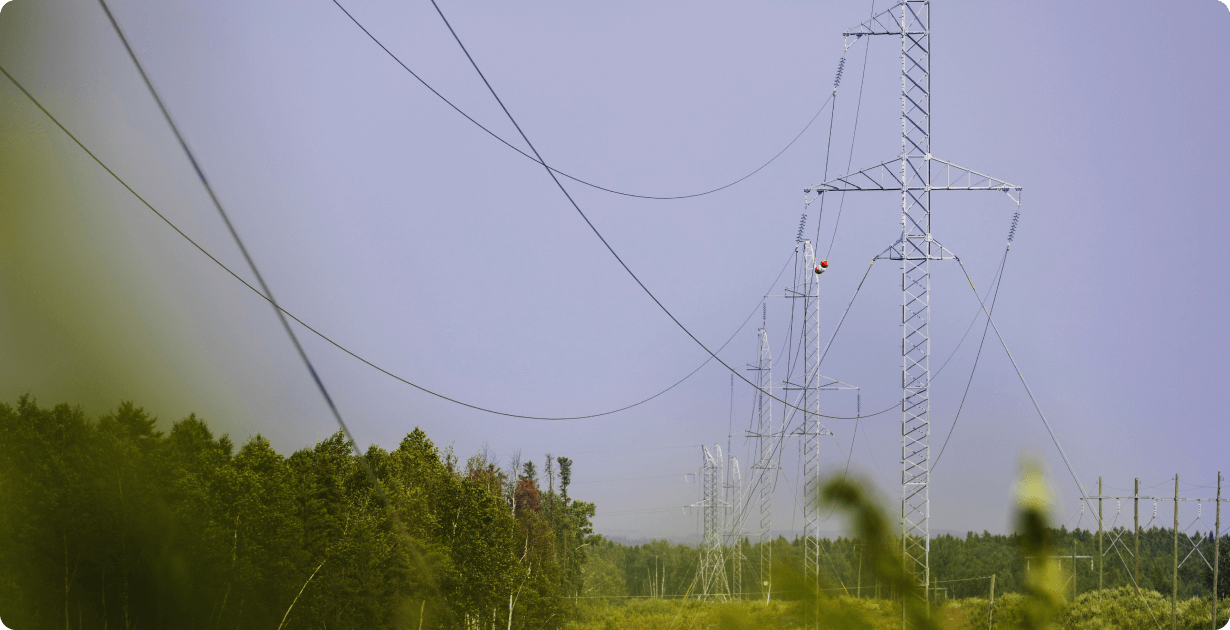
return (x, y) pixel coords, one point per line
(764, 467)
(734, 525)
(915, 173)
(711, 573)
(811, 430)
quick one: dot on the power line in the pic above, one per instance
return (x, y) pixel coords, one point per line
(330, 340)
(639, 448)
(632, 478)
(978, 355)
(323, 336)
(265, 291)
(537, 158)
(594, 228)
(644, 511)
(828, 147)
(853, 136)
(846, 312)
(1037, 407)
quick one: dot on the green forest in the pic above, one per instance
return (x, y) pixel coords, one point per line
(112, 522)
(960, 567)
(115, 524)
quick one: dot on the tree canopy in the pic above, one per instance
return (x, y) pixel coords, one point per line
(112, 523)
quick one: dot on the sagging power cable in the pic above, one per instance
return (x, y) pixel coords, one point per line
(330, 340)
(998, 282)
(853, 136)
(828, 146)
(536, 158)
(597, 233)
(265, 293)
(213, 197)
(1032, 399)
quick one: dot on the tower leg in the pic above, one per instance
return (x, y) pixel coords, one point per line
(917, 250)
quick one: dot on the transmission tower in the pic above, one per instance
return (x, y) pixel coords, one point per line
(734, 525)
(915, 174)
(764, 467)
(811, 430)
(711, 573)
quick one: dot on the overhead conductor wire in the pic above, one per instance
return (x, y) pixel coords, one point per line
(594, 228)
(858, 109)
(828, 148)
(819, 220)
(995, 298)
(836, 224)
(330, 340)
(267, 293)
(316, 332)
(264, 287)
(536, 157)
(1033, 399)
(1045, 421)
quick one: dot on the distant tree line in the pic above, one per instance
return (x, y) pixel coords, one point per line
(111, 523)
(662, 569)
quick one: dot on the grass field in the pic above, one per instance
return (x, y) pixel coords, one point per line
(1117, 609)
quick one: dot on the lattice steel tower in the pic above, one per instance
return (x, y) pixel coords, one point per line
(915, 173)
(711, 572)
(808, 399)
(764, 467)
(734, 525)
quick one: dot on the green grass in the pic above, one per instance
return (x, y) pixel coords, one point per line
(1112, 609)
(673, 614)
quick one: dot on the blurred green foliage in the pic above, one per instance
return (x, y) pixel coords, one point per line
(1034, 600)
(111, 523)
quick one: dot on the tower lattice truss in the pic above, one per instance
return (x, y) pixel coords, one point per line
(915, 174)
(711, 574)
(764, 468)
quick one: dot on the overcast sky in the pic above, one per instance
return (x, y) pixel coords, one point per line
(386, 220)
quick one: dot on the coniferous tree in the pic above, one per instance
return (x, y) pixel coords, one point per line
(111, 523)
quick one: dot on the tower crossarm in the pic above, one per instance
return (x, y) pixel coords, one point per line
(882, 176)
(886, 22)
(916, 249)
(820, 382)
(944, 175)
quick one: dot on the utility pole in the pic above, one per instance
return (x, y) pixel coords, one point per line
(1136, 526)
(991, 604)
(1174, 592)
(1216, 547)
(914, 173)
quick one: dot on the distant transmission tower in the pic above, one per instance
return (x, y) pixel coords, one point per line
(711, 573)
(764, 468)
(734, 526)
(811, 430)
(915, 173)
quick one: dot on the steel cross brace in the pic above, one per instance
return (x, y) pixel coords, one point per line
(915, 174)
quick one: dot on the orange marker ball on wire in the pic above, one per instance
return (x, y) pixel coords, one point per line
(822, 267)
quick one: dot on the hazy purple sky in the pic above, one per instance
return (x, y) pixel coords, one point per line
(386, 220)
